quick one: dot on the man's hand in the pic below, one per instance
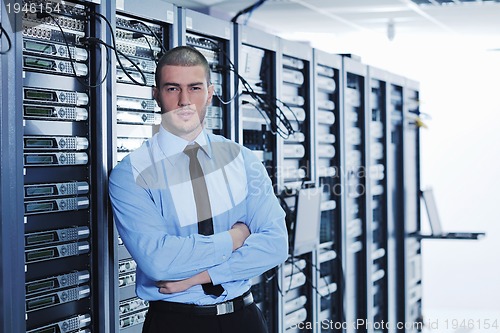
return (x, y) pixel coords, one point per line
(171, 287)
(239, 233)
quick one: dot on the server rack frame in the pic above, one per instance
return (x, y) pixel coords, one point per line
(412, 214)
(333, 61)
(104, 265)
(12, 268)
(252, 37)
(302, 52)
(395, 210)
(351, 66)
(166, 15)
(383, 77)
(256, 38)
(12, 281)
(199, 23)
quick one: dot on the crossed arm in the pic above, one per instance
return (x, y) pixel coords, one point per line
(239, 233)
(176, 261)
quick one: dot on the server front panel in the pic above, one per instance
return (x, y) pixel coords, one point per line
(396, 195)
(297, 312)
(413, 254)
(257, 104)
(141, 39)
(212, 37)
(255, 76)
(355, 191)
(59, 198)
(377, 264)
(295, 170)
(295, 165)
(328, 139)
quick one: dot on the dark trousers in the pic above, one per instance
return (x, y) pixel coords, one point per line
(247, 320)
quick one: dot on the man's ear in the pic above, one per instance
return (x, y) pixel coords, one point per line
(210, 93)
(155, 95)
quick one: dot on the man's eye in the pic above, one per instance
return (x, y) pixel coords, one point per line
(172, 89)
(195, 88)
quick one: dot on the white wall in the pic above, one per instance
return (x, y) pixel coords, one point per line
(460, 90)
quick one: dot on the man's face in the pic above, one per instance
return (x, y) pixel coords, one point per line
(183, 95)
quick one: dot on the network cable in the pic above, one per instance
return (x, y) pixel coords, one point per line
(45, 14)
(248, 9)
(9, 42)
(117, 52)
(164, 50)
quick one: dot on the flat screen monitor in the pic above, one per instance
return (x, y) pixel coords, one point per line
(307, 221)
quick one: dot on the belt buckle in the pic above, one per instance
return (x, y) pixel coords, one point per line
(225, 308)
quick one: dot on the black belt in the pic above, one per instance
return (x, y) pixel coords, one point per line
(218, 309)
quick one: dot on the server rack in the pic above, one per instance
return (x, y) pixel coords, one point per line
(213, 38)
(355, 191)
(404, 205)
(412, 246)
(40, 142)
(61, 102)
(142, 35)
(255, 62)
(295, 166)
(395, 198)
(328, 139)
(377, 225)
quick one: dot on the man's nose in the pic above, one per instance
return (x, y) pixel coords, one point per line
(184, 98)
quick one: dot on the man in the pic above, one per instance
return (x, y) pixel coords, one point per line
(196, 211)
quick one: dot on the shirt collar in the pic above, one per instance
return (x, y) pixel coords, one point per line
(173, 146)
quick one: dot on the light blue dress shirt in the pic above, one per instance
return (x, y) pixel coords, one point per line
(155, 214)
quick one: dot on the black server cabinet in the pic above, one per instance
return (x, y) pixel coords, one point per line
(328, 139)
(295, 148)
(404, 253)
(61, 109)
(395, 200)
(377, 221)
(142, 35)
(295, 166)
(214, 39)
(412, 246)
(256, 53)
(255, 84)
(355, 192)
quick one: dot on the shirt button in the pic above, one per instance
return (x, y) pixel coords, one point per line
(224, 257)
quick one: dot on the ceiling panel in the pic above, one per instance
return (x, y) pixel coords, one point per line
(472, 18)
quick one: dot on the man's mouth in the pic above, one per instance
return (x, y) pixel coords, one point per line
(185, 113)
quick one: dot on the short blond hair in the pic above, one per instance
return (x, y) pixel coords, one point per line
(182, 56)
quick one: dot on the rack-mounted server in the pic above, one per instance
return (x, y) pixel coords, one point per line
(377, 219)
(66, 131)
(143, 34)
(57, 110)
(295, 168)
(213, 38)
(328, 139)
(255, 85)
(356, 189)
(412, 246)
